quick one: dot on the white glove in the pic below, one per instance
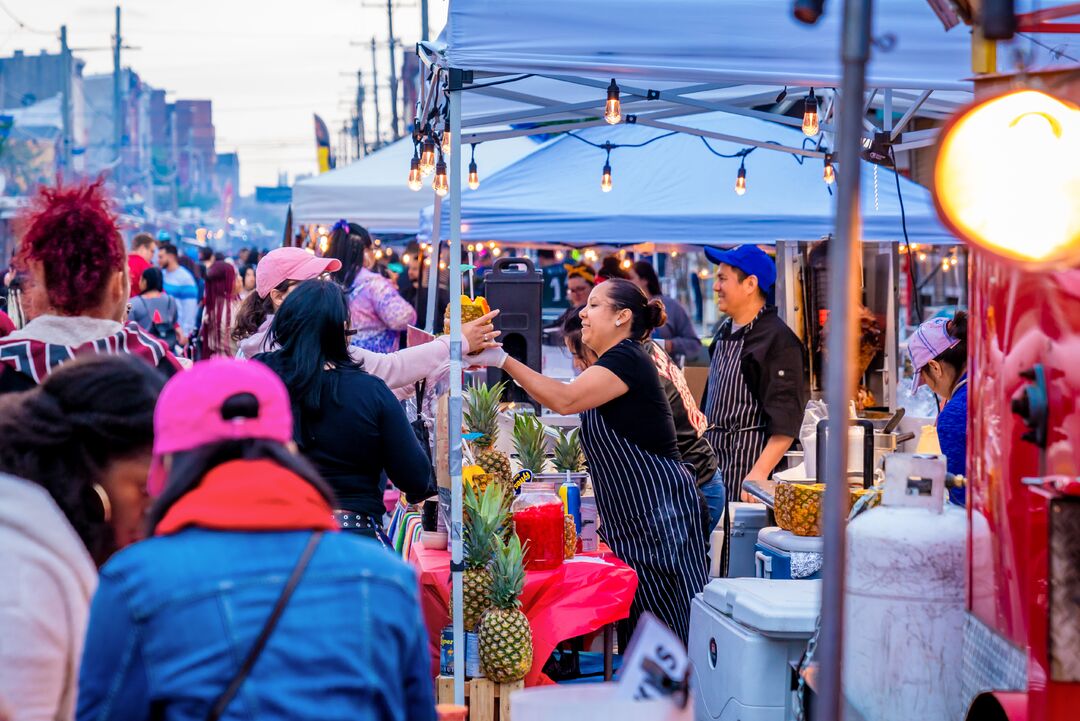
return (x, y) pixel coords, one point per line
(489, 357)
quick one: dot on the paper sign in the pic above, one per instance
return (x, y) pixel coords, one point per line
(656, 663)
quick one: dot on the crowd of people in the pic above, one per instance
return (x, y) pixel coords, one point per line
(193, 458)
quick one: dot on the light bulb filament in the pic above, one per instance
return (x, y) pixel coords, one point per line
(810, 126)
(605, 179)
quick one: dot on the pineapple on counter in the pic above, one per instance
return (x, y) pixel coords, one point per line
(505, 638)
(487, 514)
(529, 443)
(568, 454)
(482, 416)
(569, 537)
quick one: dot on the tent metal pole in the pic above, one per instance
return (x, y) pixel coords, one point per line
(844, 289)
(433, 268)
(454, 264)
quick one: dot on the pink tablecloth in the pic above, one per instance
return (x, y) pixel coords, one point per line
(579, 597)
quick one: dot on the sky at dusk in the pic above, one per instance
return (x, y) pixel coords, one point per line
(267, 65)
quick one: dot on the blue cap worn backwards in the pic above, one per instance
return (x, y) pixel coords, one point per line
(750, 259)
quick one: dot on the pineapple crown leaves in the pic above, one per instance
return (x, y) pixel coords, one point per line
(568, 455)
(508, 573)
(482, 412)
(486, 515)
(529, 442)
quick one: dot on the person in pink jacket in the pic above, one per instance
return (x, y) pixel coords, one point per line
(283, 269)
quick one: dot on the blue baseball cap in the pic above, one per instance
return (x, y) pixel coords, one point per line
(750, 259)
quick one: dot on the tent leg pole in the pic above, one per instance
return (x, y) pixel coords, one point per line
(433, 269)
(454, 265)
(839, 378)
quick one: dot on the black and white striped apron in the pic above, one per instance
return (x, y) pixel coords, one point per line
(651, 518)
(736, 419)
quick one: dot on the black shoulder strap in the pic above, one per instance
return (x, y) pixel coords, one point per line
(222, 701)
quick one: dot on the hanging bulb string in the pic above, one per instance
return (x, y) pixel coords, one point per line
(472, 158)
(609, 146)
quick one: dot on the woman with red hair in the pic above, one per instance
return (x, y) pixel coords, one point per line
(75, 257)
(222, 301)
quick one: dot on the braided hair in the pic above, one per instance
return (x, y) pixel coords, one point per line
(64, 434)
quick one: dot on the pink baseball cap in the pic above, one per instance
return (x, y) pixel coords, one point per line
(283, 264)
(929, 340)
(189, 410)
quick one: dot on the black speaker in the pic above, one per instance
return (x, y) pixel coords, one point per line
(516, 288)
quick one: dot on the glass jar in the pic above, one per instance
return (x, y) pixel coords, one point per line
(538, 521)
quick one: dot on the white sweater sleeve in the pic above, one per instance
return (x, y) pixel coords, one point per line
(405, 367)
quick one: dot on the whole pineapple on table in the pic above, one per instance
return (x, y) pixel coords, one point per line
(529, 443)
(482, 416)
(486, 515)
(569, 459)
(505, 638)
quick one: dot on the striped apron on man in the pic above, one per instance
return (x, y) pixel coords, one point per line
(736, 419)
(651, 518)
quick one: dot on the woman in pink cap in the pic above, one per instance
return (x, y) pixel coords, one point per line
(246, 601)
(283, 269)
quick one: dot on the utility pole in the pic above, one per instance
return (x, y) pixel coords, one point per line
(361, 134)
(423, 21)
(118, 109)
(66, 114)
(375, 94)
(394, 128)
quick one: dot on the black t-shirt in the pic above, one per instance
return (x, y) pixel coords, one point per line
(641, 415)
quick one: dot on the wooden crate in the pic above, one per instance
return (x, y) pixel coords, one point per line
(487, 700)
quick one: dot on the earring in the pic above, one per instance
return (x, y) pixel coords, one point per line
(618, 323)
(106, 505)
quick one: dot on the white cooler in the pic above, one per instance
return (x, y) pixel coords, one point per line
(746, 637)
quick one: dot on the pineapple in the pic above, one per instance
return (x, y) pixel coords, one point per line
(568, 455)
(569, 537)
(487, 514)
(482, 416)
(529, 443)
(470, 310)
(505, 639)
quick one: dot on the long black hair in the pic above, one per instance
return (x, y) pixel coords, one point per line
(153, 279)
(190, 467)
(310, 329)
(646, 314)
(643, 269)
(348, 241)
(64, 434)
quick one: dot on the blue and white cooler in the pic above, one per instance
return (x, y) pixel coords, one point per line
(747, 636)
(780, 554)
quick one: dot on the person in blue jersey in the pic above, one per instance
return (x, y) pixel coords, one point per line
(181, 285)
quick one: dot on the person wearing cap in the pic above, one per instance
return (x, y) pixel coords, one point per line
(242, 547)
(938, 350)
(284, 268)
(756, 389)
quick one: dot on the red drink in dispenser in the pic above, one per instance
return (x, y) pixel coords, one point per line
(538, 522)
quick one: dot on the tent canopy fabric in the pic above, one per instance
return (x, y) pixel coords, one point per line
(372, 190)
(675, 191)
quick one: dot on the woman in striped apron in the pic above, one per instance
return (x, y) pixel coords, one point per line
(649, 506)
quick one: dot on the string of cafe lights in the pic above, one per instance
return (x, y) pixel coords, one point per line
(431, 147)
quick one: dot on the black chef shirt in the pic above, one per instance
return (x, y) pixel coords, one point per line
(642, 414)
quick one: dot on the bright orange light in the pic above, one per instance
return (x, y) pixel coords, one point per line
(1007, 177)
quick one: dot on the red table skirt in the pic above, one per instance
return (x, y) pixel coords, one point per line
(579, 597)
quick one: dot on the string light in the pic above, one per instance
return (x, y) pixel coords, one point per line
(740, 179)
(472, 248)
(496, 251)
(810, 125)
(612, 108)
(446, 140)
(442, 265)
(406, 258)
(559, 255)
(416, 180)
(922, 257)
(829, 174)
(627, 264)
(491, 245)
(427, 157)
(440, 184)
(474, 176)
(605, 179)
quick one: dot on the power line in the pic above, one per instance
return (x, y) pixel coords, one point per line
(21, 24)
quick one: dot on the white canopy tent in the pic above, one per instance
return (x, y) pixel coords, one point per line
(372, 190)
(675, 191)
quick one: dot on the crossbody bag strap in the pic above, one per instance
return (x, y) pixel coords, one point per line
(222, 701)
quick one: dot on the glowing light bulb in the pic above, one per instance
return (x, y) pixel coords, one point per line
(378, 255)
(427, 158)
(922, 256)
(491, 245)
(944, 263)
(416, 180)
(627, 264)
(442, 265)
(612, 108)
(740, 182)
(559, 255)
(605, 179)
(810, 125)
(829, 174)
(405, 258)
(472, 248)
(496, 252)
(446, 140)
(474, 177)
(441, 184)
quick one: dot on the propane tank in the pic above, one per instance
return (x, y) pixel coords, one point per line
(904, 612)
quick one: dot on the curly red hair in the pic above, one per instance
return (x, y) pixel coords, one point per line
(71, 231)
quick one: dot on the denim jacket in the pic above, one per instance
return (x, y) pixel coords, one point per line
(174, 617)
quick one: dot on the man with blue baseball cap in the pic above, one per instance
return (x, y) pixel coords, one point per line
(756, 390)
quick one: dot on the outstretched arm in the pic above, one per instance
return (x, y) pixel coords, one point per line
(595, 387)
